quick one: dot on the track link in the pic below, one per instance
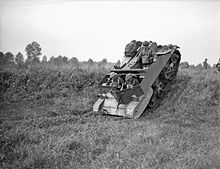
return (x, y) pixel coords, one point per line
(163, 83)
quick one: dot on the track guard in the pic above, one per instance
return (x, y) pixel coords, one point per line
(143, 104)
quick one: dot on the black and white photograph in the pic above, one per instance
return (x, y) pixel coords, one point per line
(109, 84)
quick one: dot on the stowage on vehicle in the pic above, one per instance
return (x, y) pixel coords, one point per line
(141, 81)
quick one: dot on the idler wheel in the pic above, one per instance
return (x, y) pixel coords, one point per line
(174, 58)
(153, 102)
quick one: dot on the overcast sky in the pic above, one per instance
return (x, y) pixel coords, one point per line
(97, 30)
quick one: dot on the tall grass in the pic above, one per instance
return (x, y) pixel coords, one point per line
(47, 122)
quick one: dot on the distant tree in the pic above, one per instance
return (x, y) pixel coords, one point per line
(44, 59)
(33, 51)
(58, 60)
(118, 62)
(2, 58)
(214, 66)
(199, 66)
(209, 66)
(9, 58)
(64, 60)
(117, 65)
(90, 61)
(19, 59)
(184, 65)
(192, 66)
(104, 61)
(73, 61)
(51, 60)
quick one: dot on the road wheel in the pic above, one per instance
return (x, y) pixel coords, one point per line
(160, 93)
(153, 102)
(169, 74)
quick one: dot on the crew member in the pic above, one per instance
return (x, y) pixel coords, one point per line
(131, 80)
(115, 81)
(147, 54)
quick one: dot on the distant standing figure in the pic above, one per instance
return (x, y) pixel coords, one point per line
(218, 65)
(205, 64)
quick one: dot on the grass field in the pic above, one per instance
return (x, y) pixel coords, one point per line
(54, 126)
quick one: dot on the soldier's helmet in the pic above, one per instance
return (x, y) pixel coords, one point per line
(170, 45)
(206, 59)
(128, 76)
(146, 43)
(112, 74)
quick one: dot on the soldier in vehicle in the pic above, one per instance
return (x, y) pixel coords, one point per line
(131, 80)
(147, 55)
(109, 80)
(115, 81)
(205, 64)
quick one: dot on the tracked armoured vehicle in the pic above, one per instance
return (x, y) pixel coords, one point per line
(154, 78)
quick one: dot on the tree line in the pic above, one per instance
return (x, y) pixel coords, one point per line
(34, 51)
